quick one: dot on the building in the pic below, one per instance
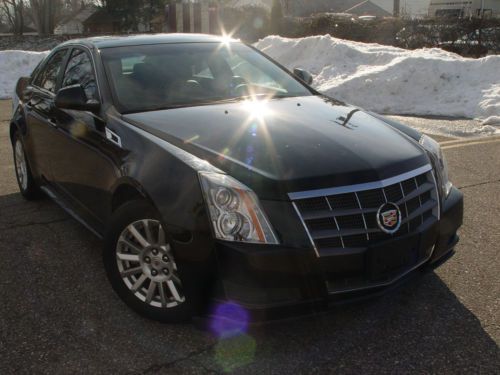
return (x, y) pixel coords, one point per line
(464, 8)
(101, 21)
(265, 4)
(305, 8)
(367, 8)
(191, 16)
(74, 23)
(104, 22)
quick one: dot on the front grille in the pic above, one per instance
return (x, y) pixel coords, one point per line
(346, 217)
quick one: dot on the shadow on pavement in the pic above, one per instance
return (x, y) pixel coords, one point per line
(58, 314)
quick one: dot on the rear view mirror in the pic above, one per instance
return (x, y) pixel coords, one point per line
(303, 75)
(21, 85)
(74, 97)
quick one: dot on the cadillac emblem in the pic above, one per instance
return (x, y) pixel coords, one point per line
(389, 217)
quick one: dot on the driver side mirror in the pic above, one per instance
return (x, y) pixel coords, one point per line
(74, 97)
(21, 85)
(303, 75)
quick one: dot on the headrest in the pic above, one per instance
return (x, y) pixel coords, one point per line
(143, 70)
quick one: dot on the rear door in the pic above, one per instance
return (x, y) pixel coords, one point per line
(82, 158)
(40, 114)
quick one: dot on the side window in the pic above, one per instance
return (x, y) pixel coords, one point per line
(47, 78)
(128, 63)
(80, 71)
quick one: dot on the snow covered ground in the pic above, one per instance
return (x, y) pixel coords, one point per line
(380, 78)
(15, 64)
(391, 80)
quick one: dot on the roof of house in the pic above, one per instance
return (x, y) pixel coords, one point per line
(308, 7)
(367, 8)
(81, 15)
(100, 16)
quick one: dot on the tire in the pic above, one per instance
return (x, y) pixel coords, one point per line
(131, 263)
(27, 185)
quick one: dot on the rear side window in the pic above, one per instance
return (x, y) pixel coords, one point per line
(47, 78)
(80, 71)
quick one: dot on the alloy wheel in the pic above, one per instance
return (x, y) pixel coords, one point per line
(20, 163)
(147, 266)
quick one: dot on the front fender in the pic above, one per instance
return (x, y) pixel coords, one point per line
(405, 129)
(168, 177)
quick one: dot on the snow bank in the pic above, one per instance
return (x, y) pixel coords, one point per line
(391, 80)
(380, 78)
(15, 64)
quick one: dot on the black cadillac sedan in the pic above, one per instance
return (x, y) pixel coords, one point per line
(215, 175)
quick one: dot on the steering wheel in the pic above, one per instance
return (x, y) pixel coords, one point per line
(239, 86)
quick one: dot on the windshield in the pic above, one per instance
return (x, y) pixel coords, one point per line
(159, 76)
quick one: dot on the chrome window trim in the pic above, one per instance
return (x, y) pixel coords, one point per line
(359, 187)
(43, 64)
(71, 47)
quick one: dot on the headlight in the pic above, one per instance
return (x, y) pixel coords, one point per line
(235, 211)
(439, 163)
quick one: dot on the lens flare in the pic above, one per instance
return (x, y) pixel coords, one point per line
(226, 38)
(78, 129)
(257, 109)
(234, 352)
(229, 319)
(235, 347)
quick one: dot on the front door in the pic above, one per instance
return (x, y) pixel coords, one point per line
(40, 113)
(83, 160)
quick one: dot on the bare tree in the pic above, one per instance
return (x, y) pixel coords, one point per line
(285, 4)
(45, 14)
(73, 6)
(13, 12)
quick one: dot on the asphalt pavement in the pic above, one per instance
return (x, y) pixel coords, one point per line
(59, 315)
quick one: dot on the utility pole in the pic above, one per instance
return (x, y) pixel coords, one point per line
(396, 8)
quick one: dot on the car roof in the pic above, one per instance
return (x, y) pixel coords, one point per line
(144, 39)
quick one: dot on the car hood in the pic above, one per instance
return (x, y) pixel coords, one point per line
(287, 145)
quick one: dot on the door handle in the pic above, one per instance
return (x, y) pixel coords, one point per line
(52, 122)
(32, 102)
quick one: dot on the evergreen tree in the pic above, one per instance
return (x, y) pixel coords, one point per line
(132, 13)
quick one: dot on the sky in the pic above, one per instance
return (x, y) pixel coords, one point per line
(414, 7)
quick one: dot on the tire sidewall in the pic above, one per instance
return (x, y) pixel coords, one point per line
(126, 214)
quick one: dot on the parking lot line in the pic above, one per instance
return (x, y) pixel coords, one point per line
(447, 146)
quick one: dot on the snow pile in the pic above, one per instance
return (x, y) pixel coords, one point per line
(391, 80)
(15, 64)
(384, 79)
(491, 103)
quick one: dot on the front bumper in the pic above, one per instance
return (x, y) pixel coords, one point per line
(276, 281)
